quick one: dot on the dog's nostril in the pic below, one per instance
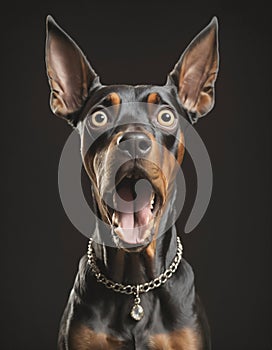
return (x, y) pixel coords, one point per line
(144, 145)
(122, 144)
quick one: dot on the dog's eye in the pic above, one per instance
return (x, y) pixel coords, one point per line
(99, 118)
(166, 117)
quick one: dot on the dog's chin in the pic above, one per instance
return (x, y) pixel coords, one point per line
(132, 247)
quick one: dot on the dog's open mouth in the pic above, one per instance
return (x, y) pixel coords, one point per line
(136, 205)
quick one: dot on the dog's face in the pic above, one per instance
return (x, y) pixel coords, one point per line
(131, 137)
(135, 129)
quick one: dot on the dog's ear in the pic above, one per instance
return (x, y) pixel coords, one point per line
(195, 73)
(69, 73)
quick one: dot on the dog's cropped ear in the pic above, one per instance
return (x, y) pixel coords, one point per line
(69, 73)
(196, 72)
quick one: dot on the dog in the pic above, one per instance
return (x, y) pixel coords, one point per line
(133, 289)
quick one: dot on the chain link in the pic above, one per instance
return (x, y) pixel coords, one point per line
(132, 289)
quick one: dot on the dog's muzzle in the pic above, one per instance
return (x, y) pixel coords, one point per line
(135, 197)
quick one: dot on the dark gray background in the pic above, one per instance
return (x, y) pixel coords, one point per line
(136, 42)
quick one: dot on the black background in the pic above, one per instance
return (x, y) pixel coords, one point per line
(134, 43)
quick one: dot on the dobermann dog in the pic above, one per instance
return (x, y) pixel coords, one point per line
(136, 292)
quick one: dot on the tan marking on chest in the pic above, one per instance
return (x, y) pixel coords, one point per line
(184, 339)
(83, 338)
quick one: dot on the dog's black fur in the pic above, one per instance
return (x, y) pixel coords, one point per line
(95, 317)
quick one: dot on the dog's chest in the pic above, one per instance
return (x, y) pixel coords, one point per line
(83, 338)
(113, 328)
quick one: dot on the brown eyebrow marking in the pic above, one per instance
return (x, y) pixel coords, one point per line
(154, 97)
(114, 98)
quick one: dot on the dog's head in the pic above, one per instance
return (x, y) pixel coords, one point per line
(131, 136)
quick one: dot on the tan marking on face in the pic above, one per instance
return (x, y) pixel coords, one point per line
(184, 339)
(115, 98)
(83, 338)
(181, 148)
(153, 98)
(150, 250)
(163, 180)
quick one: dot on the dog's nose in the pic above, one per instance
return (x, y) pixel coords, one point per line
(134, 143)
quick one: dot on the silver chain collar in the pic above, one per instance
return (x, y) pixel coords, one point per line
(137, 311)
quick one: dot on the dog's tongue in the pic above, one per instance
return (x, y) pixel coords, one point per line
(125, 206)
(133, 209)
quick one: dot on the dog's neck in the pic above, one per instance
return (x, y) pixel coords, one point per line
(134, 268)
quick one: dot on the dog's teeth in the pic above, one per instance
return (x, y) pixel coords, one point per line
(152, 201)
(114, 219)
(147, 233)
